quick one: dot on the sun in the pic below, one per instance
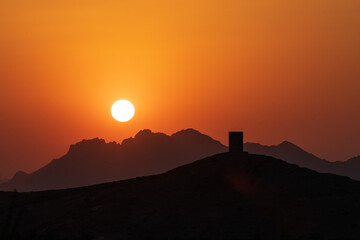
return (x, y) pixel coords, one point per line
(122, 110)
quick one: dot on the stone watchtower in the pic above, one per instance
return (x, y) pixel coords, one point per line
(236, 142)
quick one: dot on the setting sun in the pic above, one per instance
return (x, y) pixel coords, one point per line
(122, 110)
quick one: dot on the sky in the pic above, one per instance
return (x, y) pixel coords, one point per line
(275, 69)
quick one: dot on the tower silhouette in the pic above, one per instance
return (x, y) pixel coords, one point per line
(236, 142)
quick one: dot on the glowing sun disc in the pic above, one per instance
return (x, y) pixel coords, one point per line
(122, 110)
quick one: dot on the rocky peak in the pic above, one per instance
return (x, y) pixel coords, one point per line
(87, 145)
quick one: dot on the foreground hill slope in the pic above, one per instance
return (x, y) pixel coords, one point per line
(225, 196)
(95, 161)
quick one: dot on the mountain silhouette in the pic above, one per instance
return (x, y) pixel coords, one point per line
(225, 196)
(95, 161)
(291, 153)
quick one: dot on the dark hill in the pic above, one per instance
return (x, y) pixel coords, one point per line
(291, 153)
(95, 161)
(220, 197)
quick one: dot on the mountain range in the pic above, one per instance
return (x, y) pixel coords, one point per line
(291, 153)
(225, 196)
(95, 161)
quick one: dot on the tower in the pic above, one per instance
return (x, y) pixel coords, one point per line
(236, 144)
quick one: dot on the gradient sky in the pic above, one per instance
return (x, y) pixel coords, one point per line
(277, 69)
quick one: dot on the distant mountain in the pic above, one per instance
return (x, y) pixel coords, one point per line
(288, 152)
(291, 153)
(349, 168)
(226, 196)
(95, 161)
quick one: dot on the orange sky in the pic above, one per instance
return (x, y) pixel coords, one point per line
(279, 70)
